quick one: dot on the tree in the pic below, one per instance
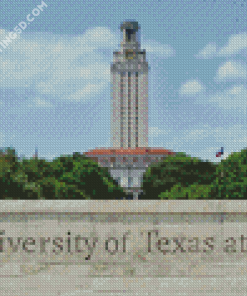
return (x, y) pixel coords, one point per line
(174, 170)
(67, 177)
(81, 171)
(191, 192)
(231, 181)
(10, 188)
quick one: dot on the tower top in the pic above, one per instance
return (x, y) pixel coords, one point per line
(129, 25)
(131, 35)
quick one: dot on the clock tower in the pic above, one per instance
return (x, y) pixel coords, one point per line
(129, 80)
(129, 156)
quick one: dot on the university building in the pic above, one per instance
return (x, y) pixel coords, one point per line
(129, 156)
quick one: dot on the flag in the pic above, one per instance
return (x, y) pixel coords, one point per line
(219, 153)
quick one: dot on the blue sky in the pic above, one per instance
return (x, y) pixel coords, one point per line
(55, 91)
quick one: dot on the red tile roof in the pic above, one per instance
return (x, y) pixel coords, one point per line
(130, 151)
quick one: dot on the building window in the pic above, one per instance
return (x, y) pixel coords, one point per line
(135, 159)
(113, 159)
(130, 181)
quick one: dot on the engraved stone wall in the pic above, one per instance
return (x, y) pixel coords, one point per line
(119, 247)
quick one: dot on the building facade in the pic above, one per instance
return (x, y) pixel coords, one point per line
(127, 166)
(129, 157)
(129, 80)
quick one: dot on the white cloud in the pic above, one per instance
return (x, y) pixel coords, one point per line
(236, 90)
(192, 87)
(156, 48)
(37, 102)
(2, 33)
(54, 67)
(231, 70)
(232, 98)
(63, 66)
(198, 134)
(209, 51)
(232, 138)
(96, 71)
(46, 88)
(5, 36)
(98, 37)
(236, 44)
(87, 91)
(227, 135)
(231, 134)
(155, 132)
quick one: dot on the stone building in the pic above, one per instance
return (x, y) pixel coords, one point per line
(130, 155)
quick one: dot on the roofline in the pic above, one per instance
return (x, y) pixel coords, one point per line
(130, 151)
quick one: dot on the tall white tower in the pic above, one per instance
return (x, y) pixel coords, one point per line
(129, 156)
(129, 81)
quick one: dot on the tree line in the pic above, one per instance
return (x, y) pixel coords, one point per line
(78, 177)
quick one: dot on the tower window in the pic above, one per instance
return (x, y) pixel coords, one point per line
(129, 32)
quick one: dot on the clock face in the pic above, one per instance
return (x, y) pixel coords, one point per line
(130, 54)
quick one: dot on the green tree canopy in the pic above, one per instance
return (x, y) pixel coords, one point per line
(191, 192)
(231, 181)
(174, 170)
(66, 177)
